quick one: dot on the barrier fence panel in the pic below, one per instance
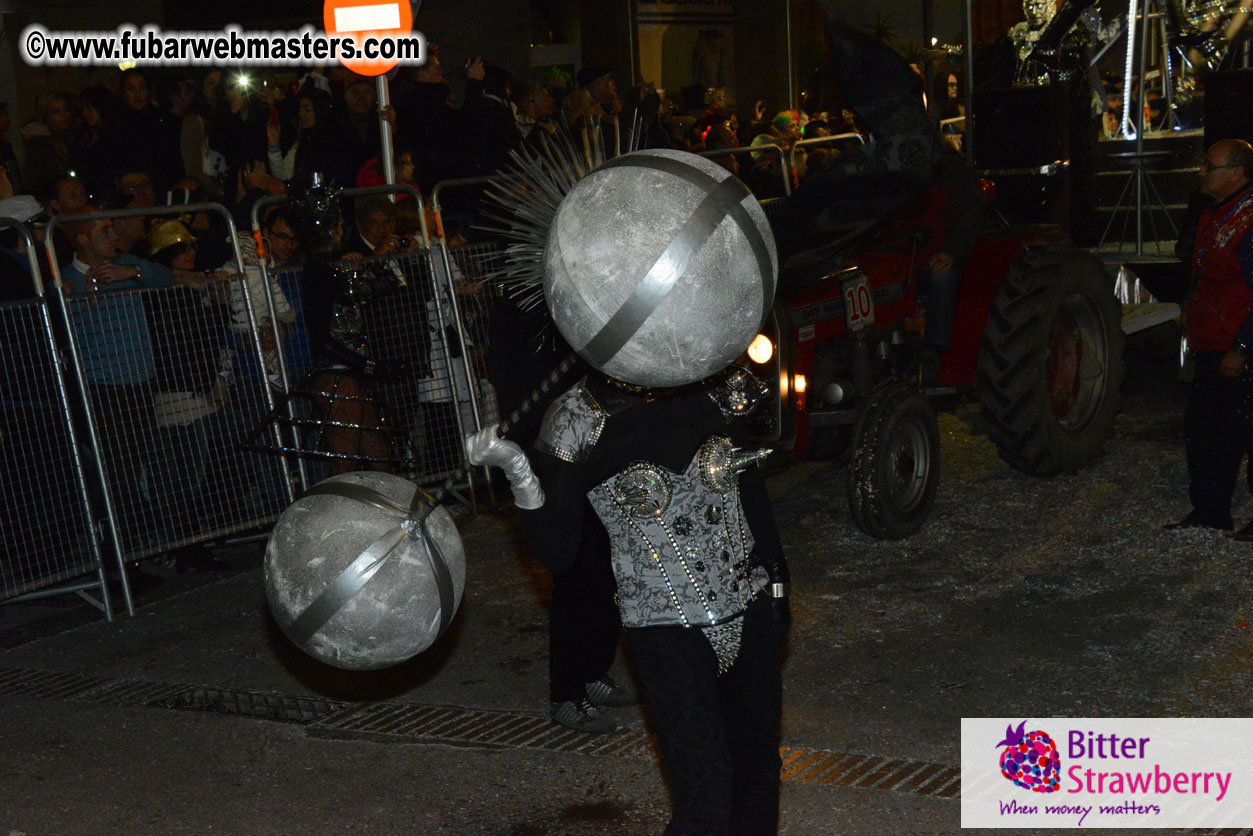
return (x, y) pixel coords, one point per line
(174, 391)
(433, 401)
(46, 536)
(49, 541)
(170, 380)
(470, 265)
(758, 155)
(821, 148)
(409, 412)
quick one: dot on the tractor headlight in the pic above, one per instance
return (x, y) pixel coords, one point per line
(760, 350)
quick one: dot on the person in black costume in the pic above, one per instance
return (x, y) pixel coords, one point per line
(345, 373)
(883, 175)
(701, 576)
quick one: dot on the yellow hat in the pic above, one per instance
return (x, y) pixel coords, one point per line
(166, 234)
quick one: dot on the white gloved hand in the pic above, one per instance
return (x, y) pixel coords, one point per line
(486, 448)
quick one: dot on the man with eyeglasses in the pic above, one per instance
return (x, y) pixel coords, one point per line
(239, 303)
(1219, 322)
(136, 186)
(286, 263)
(283, 242)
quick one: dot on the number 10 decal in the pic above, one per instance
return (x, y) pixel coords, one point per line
(858, 305)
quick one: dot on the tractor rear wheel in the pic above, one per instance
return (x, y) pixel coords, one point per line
(895, 465)
(1051, 363)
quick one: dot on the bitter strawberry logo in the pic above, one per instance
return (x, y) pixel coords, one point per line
(1030, 759)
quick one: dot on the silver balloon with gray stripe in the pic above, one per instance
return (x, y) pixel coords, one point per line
(354, 577)
(659, 268)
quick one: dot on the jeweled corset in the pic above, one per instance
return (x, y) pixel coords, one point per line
(348, 328)
(357, 285)
(681, 543)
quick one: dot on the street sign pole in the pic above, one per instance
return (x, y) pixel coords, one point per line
(378, 19)
(385, 133)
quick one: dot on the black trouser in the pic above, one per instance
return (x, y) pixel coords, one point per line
(583, 624)
(719, 735)
(1216, 431)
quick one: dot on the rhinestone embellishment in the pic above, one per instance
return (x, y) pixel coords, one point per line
(643, 491)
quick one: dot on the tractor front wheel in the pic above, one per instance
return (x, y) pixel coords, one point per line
(895, 466)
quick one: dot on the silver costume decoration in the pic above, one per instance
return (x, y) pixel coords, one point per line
(659, 268)
(1026, 33)
(681, 542)
(359, 284)
(740, 393)
(317, 401)
(721, 463)
(644, 491)
(572, 425)
(725, 640)
(1210, 27)
(354, 580)
(677, 565)
(523, 203)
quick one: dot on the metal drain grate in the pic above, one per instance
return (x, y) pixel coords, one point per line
(842, 769)
(283, 709)
(129, 693)
(470, 727)
(452, 725)
(46, 684)
(475, 727)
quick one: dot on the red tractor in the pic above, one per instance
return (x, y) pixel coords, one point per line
(1037, 335)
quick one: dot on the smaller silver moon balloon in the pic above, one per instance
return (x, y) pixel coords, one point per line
(351, 582)
(659, 268)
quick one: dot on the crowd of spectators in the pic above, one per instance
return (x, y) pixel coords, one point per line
(153, 137)
(179, 364)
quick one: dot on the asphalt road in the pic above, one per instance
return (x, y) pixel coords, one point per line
(1022, 598)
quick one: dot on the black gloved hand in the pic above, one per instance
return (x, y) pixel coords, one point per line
(779, 590)
(385, 369)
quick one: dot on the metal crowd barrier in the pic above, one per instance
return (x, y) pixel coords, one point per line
(169, 385)
(48, 542)
(434, 403)
(773, 150)
(469, 266)
(820, 140)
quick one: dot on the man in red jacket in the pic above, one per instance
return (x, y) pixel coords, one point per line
(1220, 330)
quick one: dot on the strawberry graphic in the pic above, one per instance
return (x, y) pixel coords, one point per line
(1030, 759)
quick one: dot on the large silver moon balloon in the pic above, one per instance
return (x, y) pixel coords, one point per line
(659, 268)
(314, 564)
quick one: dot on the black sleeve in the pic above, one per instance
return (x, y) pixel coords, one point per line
(967, 210)
(473, 93)
(554, 529)
(768, 549)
